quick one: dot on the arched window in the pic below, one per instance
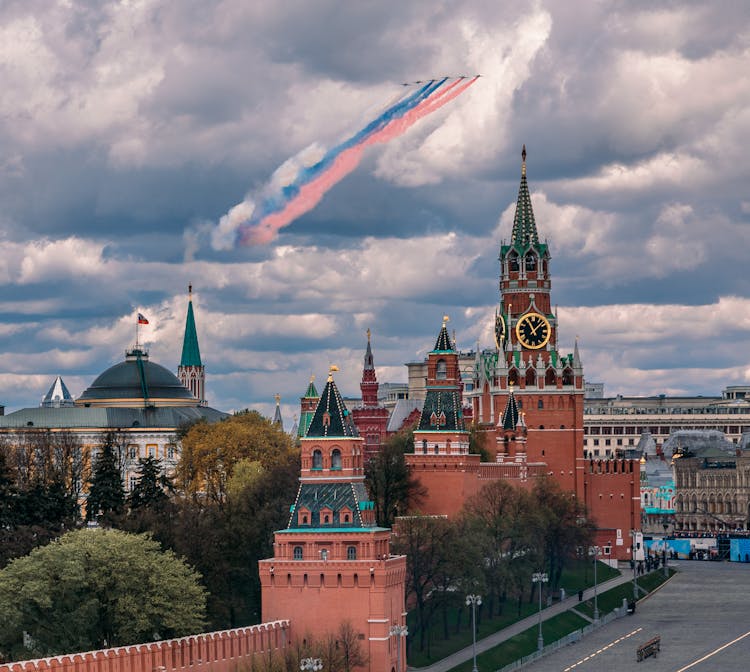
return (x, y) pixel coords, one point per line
(441, 372)
(324, 554)
(297, 553)
(437, 449)
(335, 459)
(513, 262)
(317, 459)
(530, 262)
(540, 404)
(326, 519)
(351, 553)
(424, 446)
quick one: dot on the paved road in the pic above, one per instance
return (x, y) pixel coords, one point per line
(497, 638)
(702, 615)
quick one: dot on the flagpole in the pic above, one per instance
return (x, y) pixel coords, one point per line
(137, 323)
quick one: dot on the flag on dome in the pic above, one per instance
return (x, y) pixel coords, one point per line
(142, 319)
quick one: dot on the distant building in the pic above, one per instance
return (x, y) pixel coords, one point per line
(143, 403)
(712, 483)
(615, 424)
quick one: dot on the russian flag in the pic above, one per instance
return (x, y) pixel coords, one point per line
(142, 319)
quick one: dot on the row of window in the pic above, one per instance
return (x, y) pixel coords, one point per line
(317, 459)
(298, 553)
(152, 450)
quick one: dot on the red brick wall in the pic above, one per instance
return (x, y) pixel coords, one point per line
(449, 480)
(222, 651)
(613, 502)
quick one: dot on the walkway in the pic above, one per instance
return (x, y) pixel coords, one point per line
(519, 626)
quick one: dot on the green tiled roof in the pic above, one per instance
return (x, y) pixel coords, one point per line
(191, 353)
(334, 496)
(331, 417)
(442, 411)
(311, 392)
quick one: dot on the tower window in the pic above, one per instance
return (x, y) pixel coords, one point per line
(351, 553)
(297, 553)
(441, 372)
(530, 262)
(540, 404)
(513, 262)
(335, 459)
(317, 459)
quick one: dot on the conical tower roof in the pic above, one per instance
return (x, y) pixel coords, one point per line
(331, 418)
(524, 225)
(191, 353)
(311, 392)
(369, 361)
(443, 343)
(509, 419)
(277, 413)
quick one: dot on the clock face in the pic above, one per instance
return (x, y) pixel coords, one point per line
(533, 331)
(499, 331)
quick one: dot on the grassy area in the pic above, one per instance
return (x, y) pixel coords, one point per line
(579, 575)
(525, 643)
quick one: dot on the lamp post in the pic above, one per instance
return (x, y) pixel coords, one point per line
(540, 578)
(665, 525)
(474, 600)
(310, 665)
(594, 550)
(399, 631)
(635, 567)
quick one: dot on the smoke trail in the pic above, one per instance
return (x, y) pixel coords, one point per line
(300, 183)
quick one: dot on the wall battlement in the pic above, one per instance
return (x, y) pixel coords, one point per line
(220, 651)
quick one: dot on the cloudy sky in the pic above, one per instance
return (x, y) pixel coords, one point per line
(128, 129)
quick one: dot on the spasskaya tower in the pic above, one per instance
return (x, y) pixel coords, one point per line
(527, 361)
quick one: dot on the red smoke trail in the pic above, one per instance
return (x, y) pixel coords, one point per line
(311, 193)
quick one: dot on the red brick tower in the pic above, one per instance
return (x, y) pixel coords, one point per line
(441, 457)
(332, 563)
(548, 383)
(371, 418)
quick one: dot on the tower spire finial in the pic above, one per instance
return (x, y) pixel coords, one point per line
(523, 161)
(190, 292)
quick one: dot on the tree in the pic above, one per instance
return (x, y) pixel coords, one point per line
(564, 527)
(36, 500)
(427, 542)
(389, 480)
(210, 452)
(106, 500)
(502, 520)
(94, 588)
(152, 487)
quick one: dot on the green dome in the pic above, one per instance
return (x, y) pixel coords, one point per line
(136, 380)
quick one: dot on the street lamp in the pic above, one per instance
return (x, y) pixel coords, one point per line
(474, 600)
(310, 665)
(594, 550)
(540, 578)
(400, 631)
(665, 525)
(634, 535)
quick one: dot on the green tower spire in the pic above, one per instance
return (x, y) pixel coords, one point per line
(191, 352)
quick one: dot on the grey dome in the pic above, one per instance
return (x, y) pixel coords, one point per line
(136, 378)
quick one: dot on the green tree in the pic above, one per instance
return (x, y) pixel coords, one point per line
(503, 521)
(106, 500)
(152, 487)
(389, 480)
(210, 452)
(427, 543)
(94, 588)
(563, 526)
